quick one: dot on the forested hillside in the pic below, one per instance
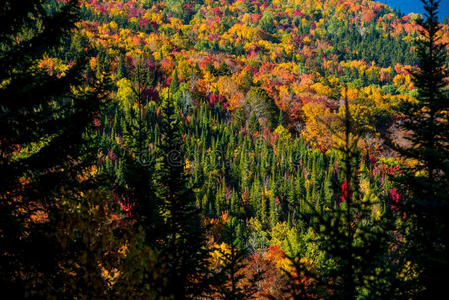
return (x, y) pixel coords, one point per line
(223, 150)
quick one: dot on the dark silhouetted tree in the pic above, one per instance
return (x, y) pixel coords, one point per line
(46, 150)
(230, 282)
(354, 242)
(183, 247)
(426, 180)
(137, 161)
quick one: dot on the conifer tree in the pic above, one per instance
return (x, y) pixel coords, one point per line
(121, 68)
(46, 126)
(253, 123)
(184, 242)
(230, 281)
(137, 164)
(426, 182)
(174, 85)
(354, 243)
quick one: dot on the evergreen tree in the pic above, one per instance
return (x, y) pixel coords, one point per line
(354, 243)
(174, 85)
(121, 68)
(137, 159)
(46, 125)
(253, 123)
(426, 183)
(230, 281)
(183, 248)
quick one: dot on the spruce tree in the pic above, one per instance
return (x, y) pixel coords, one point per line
(230, 280)
(354, 243)
(121, 68)
(183, 247)
(426, 181)
(137, 159)
(174, 85)
(46, 124)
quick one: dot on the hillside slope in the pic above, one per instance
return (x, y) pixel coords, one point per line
(299, 53)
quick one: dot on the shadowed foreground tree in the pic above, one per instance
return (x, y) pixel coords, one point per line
(230, 280)
(426, 180)
(135, 188)
(355, 242)
(135, 176)
(184, 250)
(46, 152)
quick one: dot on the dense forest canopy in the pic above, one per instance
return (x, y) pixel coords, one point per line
(246, 149)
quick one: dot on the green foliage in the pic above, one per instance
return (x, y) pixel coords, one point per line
(184, 242)
(219, 144)
(174, 85)
(354, 244)
(267, 22)
(137, 162)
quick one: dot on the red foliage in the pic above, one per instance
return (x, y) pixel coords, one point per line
(96, 122)
(395, 199)
(346, 193)
(275, 252)
(112, 156)
(272, 281)
(298, 13)
(213, 99)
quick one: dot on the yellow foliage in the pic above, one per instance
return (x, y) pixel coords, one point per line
(124, 93)
(54, 66)
(123, 250)
(113, 26)
(364, 186)
(283, 134)
(185, 70)
(322, 89)
(187, 165)
(318, 121)
(217, 254)
(307, 40)
(409, 271)
(93, 63)
(362, 116)
(110, 276)
(229, 88)
(350, 94)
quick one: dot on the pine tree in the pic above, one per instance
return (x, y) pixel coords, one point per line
(355, 245)
(230, 280)
(184, 245)
(426, 183)
(174, 85)
(46, 125)
(137, 159)
(121, 68)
